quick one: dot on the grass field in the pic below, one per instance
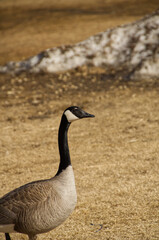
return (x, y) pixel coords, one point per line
(115, 155)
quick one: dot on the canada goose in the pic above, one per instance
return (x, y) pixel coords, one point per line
(40, 206)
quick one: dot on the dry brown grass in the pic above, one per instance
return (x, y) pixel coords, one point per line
(115, 155)
(115, 159)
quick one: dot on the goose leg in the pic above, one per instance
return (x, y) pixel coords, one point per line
(32, 237)
(7, 236)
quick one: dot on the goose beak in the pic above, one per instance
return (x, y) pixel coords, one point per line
(87, 115)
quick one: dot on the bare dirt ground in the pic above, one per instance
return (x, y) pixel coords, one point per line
(115, 155)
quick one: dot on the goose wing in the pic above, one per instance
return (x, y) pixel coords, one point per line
(6, 216)
(23, 198)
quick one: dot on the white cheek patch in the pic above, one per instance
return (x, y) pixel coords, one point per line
(70, 116)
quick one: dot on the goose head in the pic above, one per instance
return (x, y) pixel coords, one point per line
(74, 113)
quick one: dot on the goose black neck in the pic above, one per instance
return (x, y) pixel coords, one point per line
(65, 160)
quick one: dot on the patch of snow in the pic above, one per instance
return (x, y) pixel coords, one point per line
(130, 44)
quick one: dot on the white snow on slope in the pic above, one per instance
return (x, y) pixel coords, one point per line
(134, 45)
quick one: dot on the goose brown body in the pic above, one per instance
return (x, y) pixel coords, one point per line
(24, 205)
